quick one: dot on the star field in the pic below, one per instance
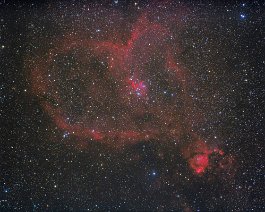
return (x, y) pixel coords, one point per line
(132, 105)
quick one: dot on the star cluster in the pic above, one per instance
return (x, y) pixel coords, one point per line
(132, 105)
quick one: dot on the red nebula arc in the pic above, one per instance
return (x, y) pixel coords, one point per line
(141, 81)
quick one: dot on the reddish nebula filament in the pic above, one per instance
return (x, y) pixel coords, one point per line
(156, 76)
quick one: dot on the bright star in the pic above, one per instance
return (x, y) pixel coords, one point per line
(243, 16)
(66, 134)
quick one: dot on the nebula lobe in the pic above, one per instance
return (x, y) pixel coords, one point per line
(123, 92)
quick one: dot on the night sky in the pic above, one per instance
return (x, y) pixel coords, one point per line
(132, 105)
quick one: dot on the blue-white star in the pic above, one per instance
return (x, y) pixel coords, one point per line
(243, 16)
(66, 134)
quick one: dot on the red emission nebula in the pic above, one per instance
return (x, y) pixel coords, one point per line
(120, 92)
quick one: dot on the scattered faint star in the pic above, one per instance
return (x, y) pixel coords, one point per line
(107, 107)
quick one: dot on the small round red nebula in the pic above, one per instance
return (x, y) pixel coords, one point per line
(199, 163)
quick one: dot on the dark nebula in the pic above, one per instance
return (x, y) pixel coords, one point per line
(132, 105)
